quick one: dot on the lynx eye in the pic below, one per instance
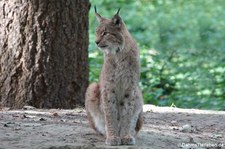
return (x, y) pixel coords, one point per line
(104, 33)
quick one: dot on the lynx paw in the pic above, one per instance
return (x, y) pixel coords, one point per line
(128, 140)
(113, 141)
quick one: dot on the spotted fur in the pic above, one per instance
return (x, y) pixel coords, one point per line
(114, 105)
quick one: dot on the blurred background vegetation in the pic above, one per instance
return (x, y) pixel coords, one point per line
(182, 49)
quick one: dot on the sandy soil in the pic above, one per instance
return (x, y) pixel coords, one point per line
(164, 128)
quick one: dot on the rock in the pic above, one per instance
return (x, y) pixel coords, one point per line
(9, 124)
(28, 108)
(216, 135)
(173, 122)
(31, 124)
(43, 119)
(186, 128)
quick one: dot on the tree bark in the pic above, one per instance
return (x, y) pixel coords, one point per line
(43, 53)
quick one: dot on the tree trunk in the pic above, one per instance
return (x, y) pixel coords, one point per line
(43, 53)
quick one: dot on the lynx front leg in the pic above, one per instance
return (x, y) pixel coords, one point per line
(129, 139)
(130, 122)
(111, 118)
(126, 108)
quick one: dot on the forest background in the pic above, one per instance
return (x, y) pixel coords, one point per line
(182, 49)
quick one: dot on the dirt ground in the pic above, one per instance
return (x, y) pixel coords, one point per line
(164, 128)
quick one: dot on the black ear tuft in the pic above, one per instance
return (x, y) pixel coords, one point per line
(118, 11)
(95, 9)
(117, 19)
(98, 16)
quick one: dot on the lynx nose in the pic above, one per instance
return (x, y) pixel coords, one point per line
(97, 42)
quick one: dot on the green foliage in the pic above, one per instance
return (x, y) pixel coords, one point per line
(182, 44)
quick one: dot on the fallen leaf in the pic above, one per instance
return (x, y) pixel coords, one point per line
(55, 114)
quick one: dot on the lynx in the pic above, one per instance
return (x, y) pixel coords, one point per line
(114, 105)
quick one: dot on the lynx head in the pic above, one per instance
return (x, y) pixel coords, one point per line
(109, 33)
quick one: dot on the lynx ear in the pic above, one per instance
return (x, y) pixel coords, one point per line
(99, 18)
(117, 19)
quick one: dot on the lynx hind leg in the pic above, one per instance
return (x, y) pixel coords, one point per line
(92, 105)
